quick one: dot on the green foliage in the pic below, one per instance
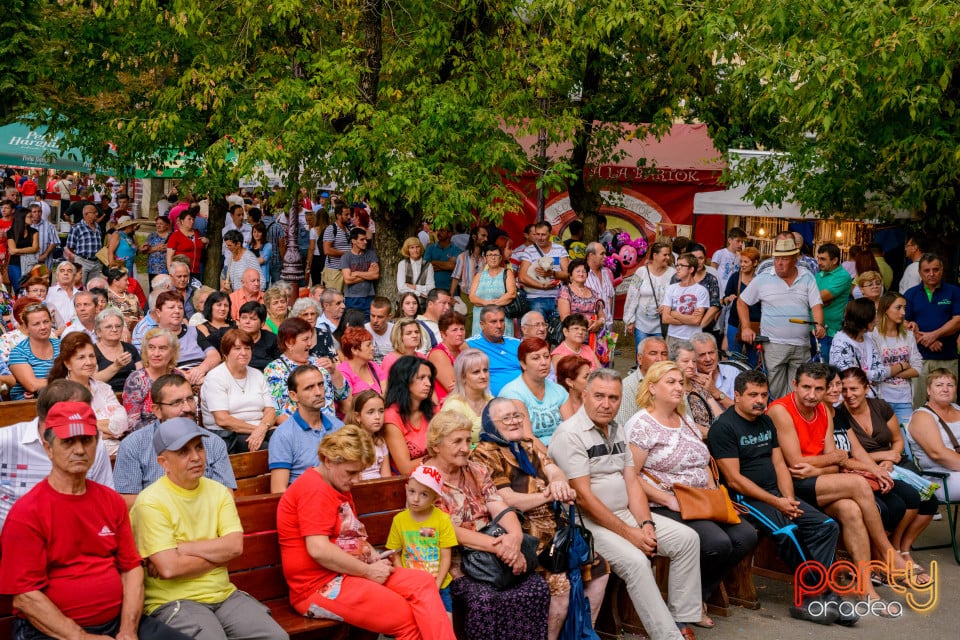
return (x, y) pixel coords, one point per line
(20, 36)
(861, 96)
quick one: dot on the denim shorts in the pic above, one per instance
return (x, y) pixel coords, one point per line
(447, 599)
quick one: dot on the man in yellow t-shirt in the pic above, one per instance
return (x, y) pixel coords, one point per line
(187, 529)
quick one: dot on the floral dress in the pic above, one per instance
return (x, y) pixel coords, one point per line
(588, 307)
(277, 373)
(136, 398)
(156, 261)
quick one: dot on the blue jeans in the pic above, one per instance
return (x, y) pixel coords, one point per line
(825, 344)
(736, 347)
(546, 306)
(359, 302)
(903, 411)
(640, 336)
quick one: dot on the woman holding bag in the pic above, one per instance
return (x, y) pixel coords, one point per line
(526, 478)
(470, 498)
(667, 450)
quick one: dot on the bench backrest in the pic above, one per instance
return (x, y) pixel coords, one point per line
(16, 411)
(258, 570)
(252, 471)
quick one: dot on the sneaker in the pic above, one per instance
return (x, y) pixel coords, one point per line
(803, 613)
(845, 620)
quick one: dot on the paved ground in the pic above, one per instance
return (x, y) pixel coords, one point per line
(772, 621)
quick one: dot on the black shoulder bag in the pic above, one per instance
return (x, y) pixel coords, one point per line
(555, 558)
(484, 566)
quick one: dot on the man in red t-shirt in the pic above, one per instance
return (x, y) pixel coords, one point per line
(805, 432)
(69, 558)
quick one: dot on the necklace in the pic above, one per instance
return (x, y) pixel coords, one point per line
(243, 387)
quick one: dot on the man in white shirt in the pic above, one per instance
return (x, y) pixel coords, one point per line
(541, 281)
(62, 293)
(235, 221)
(380, 327)
(716, 378)
(600, 280)
(786, 292)
(727, 260)
(23, 461)
(84, 317)
(439, 301)
(652, 349)
(911, 275)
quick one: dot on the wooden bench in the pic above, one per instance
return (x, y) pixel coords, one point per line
(252, 471)
(6, 617)
(259, 572)
(16, 411)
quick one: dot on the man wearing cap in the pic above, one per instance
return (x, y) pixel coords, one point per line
(784, 293)
(137, 468)
(23, 459)
(69, 558)
(187, 529)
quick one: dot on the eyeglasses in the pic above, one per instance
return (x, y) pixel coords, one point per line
(190, 401)
(536, 325)
(491, 255)
(684, 265)
(513, 418)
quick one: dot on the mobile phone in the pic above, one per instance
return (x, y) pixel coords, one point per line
(389, 552)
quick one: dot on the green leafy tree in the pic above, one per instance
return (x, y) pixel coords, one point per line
(861, 97)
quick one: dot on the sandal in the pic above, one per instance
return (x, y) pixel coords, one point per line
(883, 611)
(706, 622)
(920, 576)
(909, 560)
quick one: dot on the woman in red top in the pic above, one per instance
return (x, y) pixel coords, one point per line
(332, 571)
(185, 241)
(453, 332)
(409, 410)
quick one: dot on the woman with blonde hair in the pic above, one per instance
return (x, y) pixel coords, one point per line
(668, 449)
(275, 300)
(159, 354)
(869, 285)
(406, 338)
(471, 391)
(472, 501)
(413, 274)
(897, 348)
(324, 549)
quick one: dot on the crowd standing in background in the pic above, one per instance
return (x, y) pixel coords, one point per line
(485, 381)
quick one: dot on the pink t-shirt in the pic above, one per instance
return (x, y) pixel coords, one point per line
(357, 384)
(585, 353)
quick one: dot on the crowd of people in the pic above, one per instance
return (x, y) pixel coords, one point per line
(494, 419)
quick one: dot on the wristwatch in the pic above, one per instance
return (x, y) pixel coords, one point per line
(648, 522)
(720, 397)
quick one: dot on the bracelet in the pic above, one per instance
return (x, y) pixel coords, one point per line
(648, 522)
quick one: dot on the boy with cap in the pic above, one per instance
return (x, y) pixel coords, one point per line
(422, 533)
(69, 558)
(187, 529)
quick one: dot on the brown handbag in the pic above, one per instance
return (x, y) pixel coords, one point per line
(704, 503)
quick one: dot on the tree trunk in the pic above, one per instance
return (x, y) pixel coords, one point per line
(217, 216)
(584, 199)
(391, 232)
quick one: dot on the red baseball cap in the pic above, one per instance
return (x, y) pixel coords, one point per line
(72, 419)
